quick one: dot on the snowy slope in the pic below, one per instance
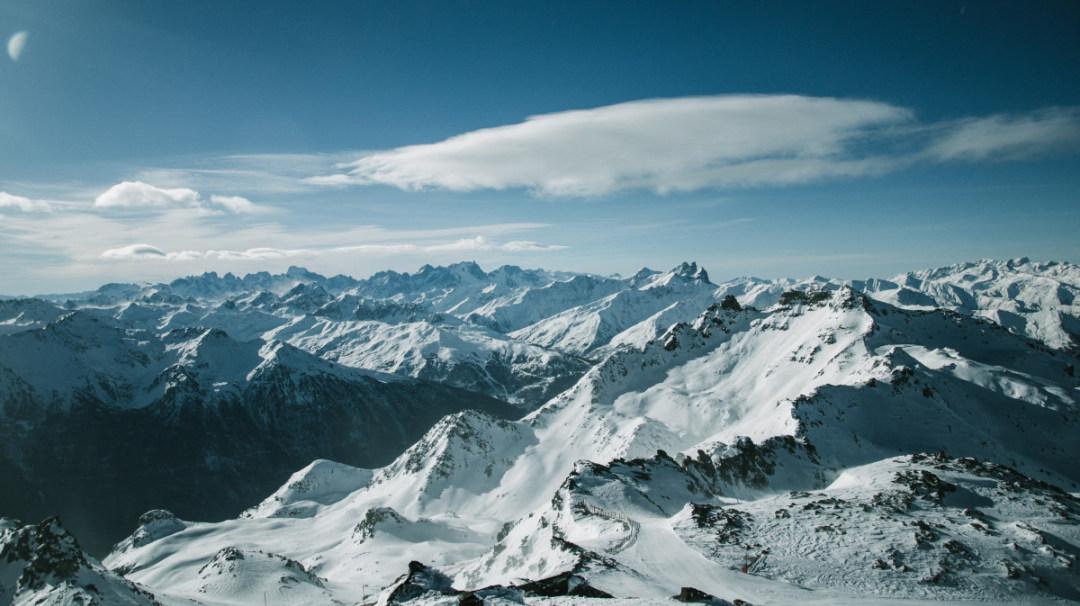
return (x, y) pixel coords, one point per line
(654, 300)
(459, 288)
(74, 358)
(206, 423)
(758, 392)
(927, 526)
(809, 381)
(1027, 297)
(410, 324)
(1031, 298)
(428, 321)
(461, 355)
(526, 306)
(17, 315)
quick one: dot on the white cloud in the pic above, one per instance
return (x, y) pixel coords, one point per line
(134, 251)
(695, 143)
(136, 194)
(478, 243)
(83, 246)
(529, 246)
(339, 179)
(234, 204)
(139, 195)
(662, 145)
(23, 203)
(16, 44)
(150, 252)
(1009, 136)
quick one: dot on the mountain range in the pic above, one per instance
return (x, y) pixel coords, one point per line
(528, 435)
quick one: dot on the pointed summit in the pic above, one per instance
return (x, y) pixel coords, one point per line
(687, 272)
(451, 275)
(691, 271)
(642, 276)
(470, 268)
(302, 273)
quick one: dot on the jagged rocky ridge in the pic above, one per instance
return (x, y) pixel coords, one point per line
(43, 565)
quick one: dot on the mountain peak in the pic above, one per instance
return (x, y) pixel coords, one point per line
(305, 288)
(454, 272)
(687, 272)
(468, 267)
(295, 271)
(691, 271)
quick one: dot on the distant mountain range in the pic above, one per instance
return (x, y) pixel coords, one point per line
(538, 431)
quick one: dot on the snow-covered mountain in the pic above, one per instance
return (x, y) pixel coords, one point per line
(678, 462)
(750, 439)
(435, 324)
(1027, 297)
(17, 315)
(463, 355)
(101, 422)
(1030, 298)
(633, 315)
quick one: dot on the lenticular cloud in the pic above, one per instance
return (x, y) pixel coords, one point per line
(134, 251)
(696, 143)
(662, 145)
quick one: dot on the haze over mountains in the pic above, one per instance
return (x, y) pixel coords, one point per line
(537, 432)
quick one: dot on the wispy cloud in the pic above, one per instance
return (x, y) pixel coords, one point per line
(234, 204)
(1008, 136)
(685, 144)
(84, 246)
(475, 244)
(23, 204)
(247, 174)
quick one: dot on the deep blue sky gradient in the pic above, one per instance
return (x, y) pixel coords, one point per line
(113, 80)
(105, 88)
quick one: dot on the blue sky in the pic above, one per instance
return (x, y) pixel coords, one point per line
(149, 140)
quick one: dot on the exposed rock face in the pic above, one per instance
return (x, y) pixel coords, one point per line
(566, 584)
(43, 564)
(419, 581)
